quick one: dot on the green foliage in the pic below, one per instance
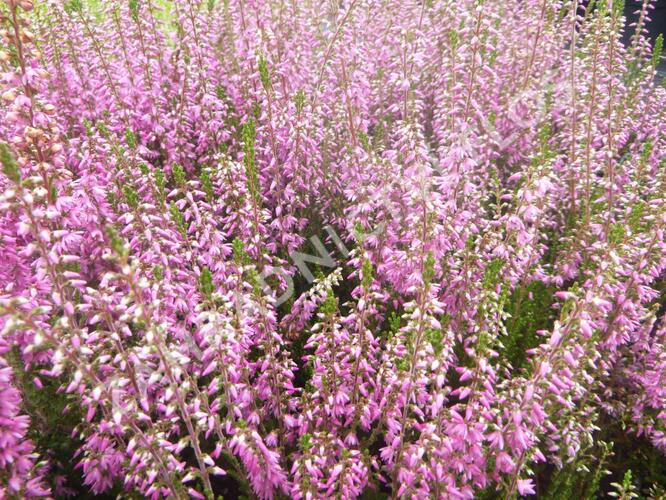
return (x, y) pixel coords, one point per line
(111, 198)
(206, 283)
(330, 304)
(545, 133)
(264, 73)
(241, 257)
(256, 109)
(492, 118)
(359, 232)
(483, 341)
(134, 9)
(88, 126)
(492, 273)
(428, 269)
(617, 233)
(160, 184)
(73, 6)
(618, 7)
(131, 196)
(178, 175)
(306, 442)
(365, 140)
(9, 166)
(178, 219)
(601, 469)
(299, 101)
(53, 420)
(580, 478)
(492, 57)
(635, 220)
(116, 242)
(393, 321)
(630, 452)
(367, 274)
(531, 310)
(249, 136)
(647, 151)
(207, 186)
(626, 489)
(453, 39)
(372, 494)
(656, 51)
(102, 129)
(594, 483)
(130, 139)
(379, 134)
(435, 337)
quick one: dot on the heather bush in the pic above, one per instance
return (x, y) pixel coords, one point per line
(355, 248)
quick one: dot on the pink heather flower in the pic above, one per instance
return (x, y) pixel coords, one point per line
(526, 487)
(325, 249)
(22, 475)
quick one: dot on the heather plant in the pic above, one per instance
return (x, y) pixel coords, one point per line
(300, 249)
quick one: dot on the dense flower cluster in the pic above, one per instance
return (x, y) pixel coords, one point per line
(323, 249)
